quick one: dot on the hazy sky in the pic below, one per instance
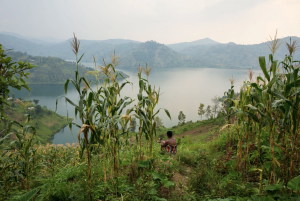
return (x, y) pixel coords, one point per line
(165, 21)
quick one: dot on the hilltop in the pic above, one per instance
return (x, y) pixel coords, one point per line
(180, 46)
(158, 55)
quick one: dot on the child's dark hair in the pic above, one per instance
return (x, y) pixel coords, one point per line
(169, 134)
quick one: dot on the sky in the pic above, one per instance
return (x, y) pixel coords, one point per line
(164, 21)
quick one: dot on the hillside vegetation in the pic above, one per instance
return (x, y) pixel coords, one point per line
(46, 122)
(233, 55)
(51, 70)
(157, 55)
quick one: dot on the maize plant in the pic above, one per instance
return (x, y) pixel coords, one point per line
(269, 106)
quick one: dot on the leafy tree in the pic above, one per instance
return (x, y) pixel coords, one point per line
(159, 122)
(208, 112)
(38, 109)
(13, 105)
(216, 105)
(36, 101)
(201, 110)
(11, 74)
(133, 125)
(181, 117)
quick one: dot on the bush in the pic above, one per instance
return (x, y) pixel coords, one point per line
(38, 109)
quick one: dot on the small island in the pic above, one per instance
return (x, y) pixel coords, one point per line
(46, 121)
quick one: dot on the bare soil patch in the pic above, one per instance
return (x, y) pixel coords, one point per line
(196, 131)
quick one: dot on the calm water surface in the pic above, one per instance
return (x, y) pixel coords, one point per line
(183, 89)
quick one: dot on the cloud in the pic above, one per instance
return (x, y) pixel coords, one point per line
(166, 21)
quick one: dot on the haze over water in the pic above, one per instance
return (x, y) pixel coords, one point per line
(182, 89)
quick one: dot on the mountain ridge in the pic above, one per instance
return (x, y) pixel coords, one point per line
(207, 54)
(182, 45)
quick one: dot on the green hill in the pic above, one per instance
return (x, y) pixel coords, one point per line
(232, 55)
(100, 49)
(180, 46)
(50, 70)
(158, 55)
(46, 122)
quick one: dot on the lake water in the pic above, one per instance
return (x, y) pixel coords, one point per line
(183, 89)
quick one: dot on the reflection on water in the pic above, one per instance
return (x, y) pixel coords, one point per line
(182, 89)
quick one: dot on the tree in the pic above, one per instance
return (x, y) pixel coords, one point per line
(36, 101)
(181, 118)
(208, 112)
(159, 122)
(38, 109)
(216, 105)
(133, 125)
(11, 76)
(201, 110)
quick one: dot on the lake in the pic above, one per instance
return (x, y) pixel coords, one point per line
(183, 89)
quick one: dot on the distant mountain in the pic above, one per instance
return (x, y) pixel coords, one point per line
(38, 40)
(99, 48)
(204, 53)
(20, 44)
(232, 55)
(180, 46)
(158, 55)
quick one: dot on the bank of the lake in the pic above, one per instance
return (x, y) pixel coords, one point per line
(46, 122)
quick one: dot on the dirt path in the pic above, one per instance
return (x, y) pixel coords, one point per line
(199, 131)
(181, 180)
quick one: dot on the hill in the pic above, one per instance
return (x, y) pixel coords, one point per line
(40, 40)
(50, 70)
(99, 48)
(158, 55)
(233, 55)
(205, 53)
(46, 122)
(180, 46)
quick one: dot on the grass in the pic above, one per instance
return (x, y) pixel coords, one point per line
(199, 171)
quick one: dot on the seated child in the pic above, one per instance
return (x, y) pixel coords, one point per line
(169, 145)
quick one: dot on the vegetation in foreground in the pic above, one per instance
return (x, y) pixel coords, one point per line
(253, 157)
